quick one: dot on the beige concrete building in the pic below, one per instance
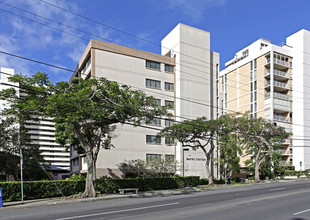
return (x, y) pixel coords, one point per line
(259, 80)
(184, 75)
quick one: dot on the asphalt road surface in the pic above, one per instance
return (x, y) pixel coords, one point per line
(274, 201)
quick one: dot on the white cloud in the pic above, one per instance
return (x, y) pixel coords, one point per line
(195, 9)
(11, 45)
(36, 41)
(77, 52)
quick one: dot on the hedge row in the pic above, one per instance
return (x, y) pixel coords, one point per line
(47, 189)
(108, 185)
(40, 189)
(297, 173)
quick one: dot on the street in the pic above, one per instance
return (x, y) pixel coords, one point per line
(285, 200)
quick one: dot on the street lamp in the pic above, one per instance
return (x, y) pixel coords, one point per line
(184, 149)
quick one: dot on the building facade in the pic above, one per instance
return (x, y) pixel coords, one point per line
(42, 133)
(184, 76)
(269, 81)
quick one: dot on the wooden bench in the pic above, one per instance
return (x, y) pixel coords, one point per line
(122, 191)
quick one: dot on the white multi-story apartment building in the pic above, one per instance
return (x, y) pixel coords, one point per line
(42, 133)
(184, 75)
(272, 82)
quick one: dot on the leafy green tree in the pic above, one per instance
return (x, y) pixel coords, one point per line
(85, 111)
(197, 134)
(229, 146)
(260, 138)
(33, 161)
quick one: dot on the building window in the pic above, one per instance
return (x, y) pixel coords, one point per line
(169, 157)
(254, 88)
(170, 104)
(153, 139)
(152, 65)
(158, 102)
(154, 84)
(153, 157)
(169, 122)
(153, 121)
(87, 64)
(169, 68)
(84, 160)
(75, 162)
(169, 141)
(224, 90)
(245, 53)
(169, 86)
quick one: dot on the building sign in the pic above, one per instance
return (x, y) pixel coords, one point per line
(196, 159)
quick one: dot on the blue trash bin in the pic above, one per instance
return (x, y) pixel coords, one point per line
(1, 203)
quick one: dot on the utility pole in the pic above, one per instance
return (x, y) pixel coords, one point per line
(21, 174)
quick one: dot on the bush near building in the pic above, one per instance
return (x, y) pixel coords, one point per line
(40, 189)
(297, 173)
(48, 189)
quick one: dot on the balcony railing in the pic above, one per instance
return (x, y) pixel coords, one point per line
(279, 96)
(282, 151)
(285, 163)
(282, 118)
(280, 62)
(279, 84)
(278, 73)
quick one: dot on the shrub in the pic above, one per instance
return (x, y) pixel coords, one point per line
(77, 177)
(251, 178)
(307, 173)
(152, 168)
(293, 173)
(40, 189)
(220, 181)
(203, 181)
(47, 189)
(109, 185)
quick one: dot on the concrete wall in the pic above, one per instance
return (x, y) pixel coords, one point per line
(195, 80)
(130, 142)
(300, 42)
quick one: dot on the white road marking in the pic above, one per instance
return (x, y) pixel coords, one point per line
(118, 211)
(276, 189)
(297, 213)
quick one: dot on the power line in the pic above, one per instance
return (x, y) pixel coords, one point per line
(36, 61)
(81, 31)
(59, 30)
(93, 35)
(72, 70)
(121, 31)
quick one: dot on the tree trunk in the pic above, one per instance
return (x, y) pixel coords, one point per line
(257, 179)
(89, 186)
(209, 175)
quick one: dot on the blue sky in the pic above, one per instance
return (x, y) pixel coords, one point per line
(233, 25)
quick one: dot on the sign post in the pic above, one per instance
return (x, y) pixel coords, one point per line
(225, 166)
(1, 203)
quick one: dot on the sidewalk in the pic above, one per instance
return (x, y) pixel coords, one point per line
(66, 200)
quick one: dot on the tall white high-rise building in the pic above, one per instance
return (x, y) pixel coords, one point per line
(272, 82)
(42, 133)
